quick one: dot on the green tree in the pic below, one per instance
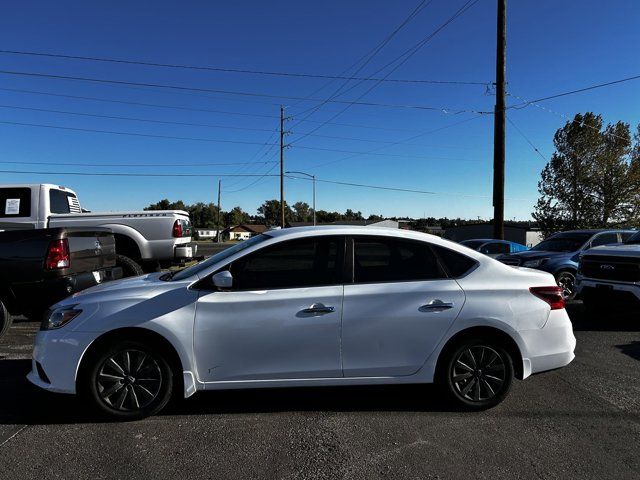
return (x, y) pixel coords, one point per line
(302, 212)
(270, 212)
(236, 216)
(592, 178)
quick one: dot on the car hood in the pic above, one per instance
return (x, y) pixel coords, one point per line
(615, 250)
(145, 286)
(536, 254)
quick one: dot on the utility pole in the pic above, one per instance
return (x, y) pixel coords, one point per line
(218, 230)
(499, 123)
(282, 167)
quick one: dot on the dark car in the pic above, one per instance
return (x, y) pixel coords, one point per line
(493, 247)
(559, 254)
(41, 267)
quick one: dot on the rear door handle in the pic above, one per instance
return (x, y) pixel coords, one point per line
(319, 308)
(435, 305)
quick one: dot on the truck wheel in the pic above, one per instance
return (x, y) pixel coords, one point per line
(129, 267)
(5, 319)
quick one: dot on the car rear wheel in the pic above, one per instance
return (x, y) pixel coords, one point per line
(5, 319)
(127, 380)
(566, 280)
(130, 268)
(478, 374)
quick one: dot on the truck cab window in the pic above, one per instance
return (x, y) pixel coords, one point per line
(63, 202)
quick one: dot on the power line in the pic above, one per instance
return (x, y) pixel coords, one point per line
(522, 134)
(226, 112)
(147, 120)
(234, 70)
(112, 132)
(580, 90)
(409, 53)
(350, 184)
(155, 165)
(226, 92)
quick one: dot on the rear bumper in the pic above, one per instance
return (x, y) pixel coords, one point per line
(38, 296)
(549, 347)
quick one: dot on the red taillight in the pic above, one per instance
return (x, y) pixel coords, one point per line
(58, 255)
(177, 229)
(551, 295)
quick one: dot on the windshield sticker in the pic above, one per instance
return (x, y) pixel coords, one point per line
(12, 207)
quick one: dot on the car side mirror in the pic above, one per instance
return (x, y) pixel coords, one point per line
(223, 280)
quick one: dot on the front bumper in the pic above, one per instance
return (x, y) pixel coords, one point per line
(605, 289)
(549, 347)
(56, 358)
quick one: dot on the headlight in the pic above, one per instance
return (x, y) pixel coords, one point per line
(59, 317)
(534, 263)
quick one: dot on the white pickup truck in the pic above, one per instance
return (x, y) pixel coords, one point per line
(145, 241)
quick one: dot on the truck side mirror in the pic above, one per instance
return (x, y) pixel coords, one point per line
(223, 280)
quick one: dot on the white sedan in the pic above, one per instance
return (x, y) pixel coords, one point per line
(308, 307)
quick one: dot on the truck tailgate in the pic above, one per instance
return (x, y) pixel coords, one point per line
(91, 250)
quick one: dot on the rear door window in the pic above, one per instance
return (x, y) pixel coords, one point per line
(495, 248)
(379, 259)
(63, 202)
(605, 239)
(15, 202)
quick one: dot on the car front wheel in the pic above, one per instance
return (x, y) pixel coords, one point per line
(478, 374)
(567, 282)
(127, 380)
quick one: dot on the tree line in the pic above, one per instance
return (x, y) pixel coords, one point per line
(592, 179)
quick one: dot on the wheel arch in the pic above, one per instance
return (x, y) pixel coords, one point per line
(144, 335)
(504, 339)
(129, 241)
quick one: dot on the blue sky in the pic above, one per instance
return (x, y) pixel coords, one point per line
(553, 47)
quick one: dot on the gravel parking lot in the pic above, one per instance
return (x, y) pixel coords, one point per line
(582, 421)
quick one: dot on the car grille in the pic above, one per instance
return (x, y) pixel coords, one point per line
(514, 262)
(620, 269)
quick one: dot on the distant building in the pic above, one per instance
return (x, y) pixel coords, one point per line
(244, 231)
(514, 233)
(363, 223)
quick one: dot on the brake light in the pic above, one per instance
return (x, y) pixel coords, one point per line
(177, 229)
(551, 295)
(58, 255)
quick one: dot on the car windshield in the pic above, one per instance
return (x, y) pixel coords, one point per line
(198, 267)
(564, 242)
(474, 244)
(634, 239)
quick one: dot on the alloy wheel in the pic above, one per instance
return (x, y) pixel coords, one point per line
(129, 380)
(478, 373)
(567, 282)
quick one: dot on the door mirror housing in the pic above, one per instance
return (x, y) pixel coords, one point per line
(222, 280)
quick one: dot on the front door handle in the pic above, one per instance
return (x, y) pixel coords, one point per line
(436, 305)
(319, 308)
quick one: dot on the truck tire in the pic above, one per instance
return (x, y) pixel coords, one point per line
(5, 319)
(129, 267)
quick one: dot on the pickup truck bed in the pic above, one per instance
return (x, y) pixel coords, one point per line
(41, 267)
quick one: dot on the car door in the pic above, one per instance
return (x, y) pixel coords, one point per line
(606, 238)
(398, 307)
(280, 320)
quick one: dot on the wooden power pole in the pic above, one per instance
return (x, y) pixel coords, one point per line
(499, 123)
(282, 167)
(218, 230)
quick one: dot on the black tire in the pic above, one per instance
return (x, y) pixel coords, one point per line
(129, 267)
(480, 389)
(5, 319)
(566, 279)
(132, 397)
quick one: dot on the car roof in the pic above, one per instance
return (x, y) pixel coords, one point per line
(599, 230)
(485, 240)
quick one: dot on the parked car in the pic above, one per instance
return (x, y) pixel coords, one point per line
(41, 267)
(559, 254)
(144, 240)
(309, 306)
(494, 248)
(610, 275)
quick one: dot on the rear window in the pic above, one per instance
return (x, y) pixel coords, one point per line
(457, 265)
(15, 202)
(63, 202)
